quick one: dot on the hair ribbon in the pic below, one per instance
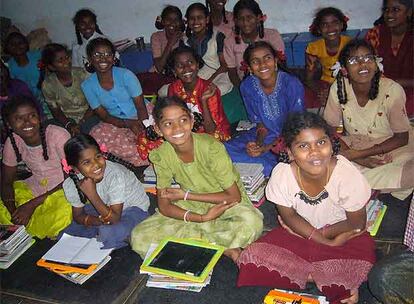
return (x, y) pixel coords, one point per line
(66, 167)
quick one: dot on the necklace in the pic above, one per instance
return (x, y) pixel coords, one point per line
(312, 200)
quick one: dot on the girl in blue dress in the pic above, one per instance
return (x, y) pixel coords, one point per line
(269, 96)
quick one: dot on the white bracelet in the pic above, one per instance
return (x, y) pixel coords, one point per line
(185, 216)
(186, 194)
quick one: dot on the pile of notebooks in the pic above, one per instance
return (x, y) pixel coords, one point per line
(253, 180)
(75, 258)
(150, 180)
(184, 265)
(14, 241)
(375, 213)
(293, 297)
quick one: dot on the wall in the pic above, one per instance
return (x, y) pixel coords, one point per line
(131, 18)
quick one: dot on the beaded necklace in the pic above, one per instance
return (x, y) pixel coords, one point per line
(312, 200)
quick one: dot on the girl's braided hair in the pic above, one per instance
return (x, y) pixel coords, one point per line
(201, 7)
(223, 11)
(252, 6)
(354, 45)
(78, 17)
(11, 107)
(73, 148)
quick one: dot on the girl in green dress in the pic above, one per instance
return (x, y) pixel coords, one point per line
(211, 203)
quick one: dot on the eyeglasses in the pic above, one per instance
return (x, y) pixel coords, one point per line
(98, 55)
(361, 59)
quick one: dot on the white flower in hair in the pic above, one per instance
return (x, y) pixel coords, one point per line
(193, 108)
(378, 60)
(149, 121)
(335, 69)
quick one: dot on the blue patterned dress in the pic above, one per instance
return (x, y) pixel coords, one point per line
(270, 110)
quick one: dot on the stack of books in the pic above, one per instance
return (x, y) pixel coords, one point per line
(75, 258)
(14, 241)
(283, 296)
(375, 213)
(150, 180)
(158, 280)
(253, 180)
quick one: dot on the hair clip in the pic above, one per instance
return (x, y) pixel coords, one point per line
(103, 148)
(336, 68)
(346, 18)
(378, 61)
(193, 108)
(149, 121)
(66, 167)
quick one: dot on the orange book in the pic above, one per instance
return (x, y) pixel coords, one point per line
(279, 297)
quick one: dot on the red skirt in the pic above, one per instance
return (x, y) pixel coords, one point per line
(282, 260)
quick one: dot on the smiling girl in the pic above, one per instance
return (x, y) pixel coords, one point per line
(199, 92)
(320, 198)
(329, 23)
(62, 90)
(107, 199)
(249, 27)
(115, 95)
(393, 41)
(372, 111)
(211, 203)
(37, 202)
(87, 29)
(269, 96)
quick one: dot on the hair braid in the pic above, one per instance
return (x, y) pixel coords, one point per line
(14, 145)
(116, 159)
(283, 157)
(341, 91)
(373, 91)
(237, 37)
(43, 141)
(261, 29)
(224, 16)
(336, 145)
(76, 180)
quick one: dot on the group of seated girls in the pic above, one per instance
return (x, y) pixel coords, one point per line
(84, 184)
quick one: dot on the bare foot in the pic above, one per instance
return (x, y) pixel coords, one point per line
(353, 299)
(233, 253)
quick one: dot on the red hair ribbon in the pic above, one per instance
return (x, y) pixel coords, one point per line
(263, 18)
(312, 27)
(66, 167)
(346, 19)
(244, 67)
(280, 55)
(279, 145)
(41, 66)
(103, 148)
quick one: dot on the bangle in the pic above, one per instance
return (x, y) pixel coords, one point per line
(185, 216)
(261, 129)
(85, 220)
(68, 124)
(310, 235)
(186, 194)
(104, 219)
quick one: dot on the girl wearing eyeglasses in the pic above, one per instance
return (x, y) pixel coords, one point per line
(61, 88)
(115, 95)
(371, 109)
(393, 40)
